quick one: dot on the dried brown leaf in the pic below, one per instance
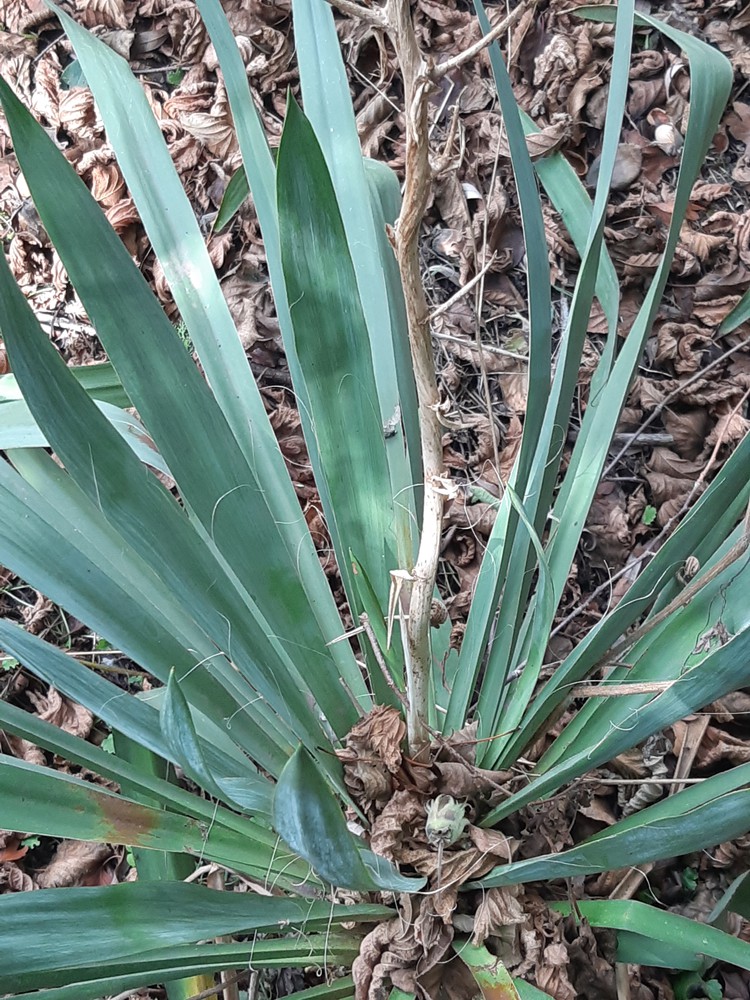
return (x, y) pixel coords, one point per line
(74, 863)
(381, 732)
(499, 908)
(60, 711)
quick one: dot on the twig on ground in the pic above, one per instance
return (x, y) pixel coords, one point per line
(630, 439)
(457, 296)
(371, 15)
(468, 54)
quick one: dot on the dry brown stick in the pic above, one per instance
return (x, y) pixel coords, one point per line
(415, 72)
(364, 620)
(473, 51)
(371, 15)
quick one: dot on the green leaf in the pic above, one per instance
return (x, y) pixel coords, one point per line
(217, 441)
(650, 837)
(705, 526)
(54, 537)
(72, 76)
(339, 989)
(89, 925)
(135, 782)
(649, 514)
(528, 992)
(328, 108)
(49, 803)
(659, 925)
(128, 972)
(736, 899)
(488, 971)
(740, 314)
(18, 429)
(247, 792)
(236, 192)
(307, 816)
(132, 716)
(332, 345)
(261, 175)
(638, 949)
(493, 576)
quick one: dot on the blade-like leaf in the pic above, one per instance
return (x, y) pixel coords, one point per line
(58, 805)
(86, 925)
(308, 817)
(132, 716)
(493, 574)
(261, 175)
(328, 108)
(332, 346)
(235, 193)
(246, 792)
(54, 537)
(698, 817)
(638, 949)
(659, 925)
(127, 973)
(220, 486)
(136, 782)
(18, 429)
(491, 976)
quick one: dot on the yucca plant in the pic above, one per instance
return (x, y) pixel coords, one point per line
(391, 772)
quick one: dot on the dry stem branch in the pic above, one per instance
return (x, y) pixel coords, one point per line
(473, 51)
(415, 72)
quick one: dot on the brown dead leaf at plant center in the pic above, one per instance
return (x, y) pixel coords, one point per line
(395, 792)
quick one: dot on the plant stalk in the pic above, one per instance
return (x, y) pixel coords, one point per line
(416, 75)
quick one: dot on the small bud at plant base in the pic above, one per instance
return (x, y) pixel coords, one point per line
(446, 820)
(668, 138)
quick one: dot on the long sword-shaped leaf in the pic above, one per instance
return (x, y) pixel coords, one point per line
(173, 229)
(56, 805)
(261, 175)
(725, 669)
(328, 108)
(721, 819)
(18, 429)
(245, 791)
(132, 716)
(659, 925)
(147, 786)
(58, 540)
(128, 972)
(711, 78)
(137, 505)
(332, 345)
(702, 530)
(309, 819)
(166, 914)
(493, 576)
(664, 654)
(215, 479)
(540, 483)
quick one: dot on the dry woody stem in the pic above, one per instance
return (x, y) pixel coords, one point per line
(417, 82)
